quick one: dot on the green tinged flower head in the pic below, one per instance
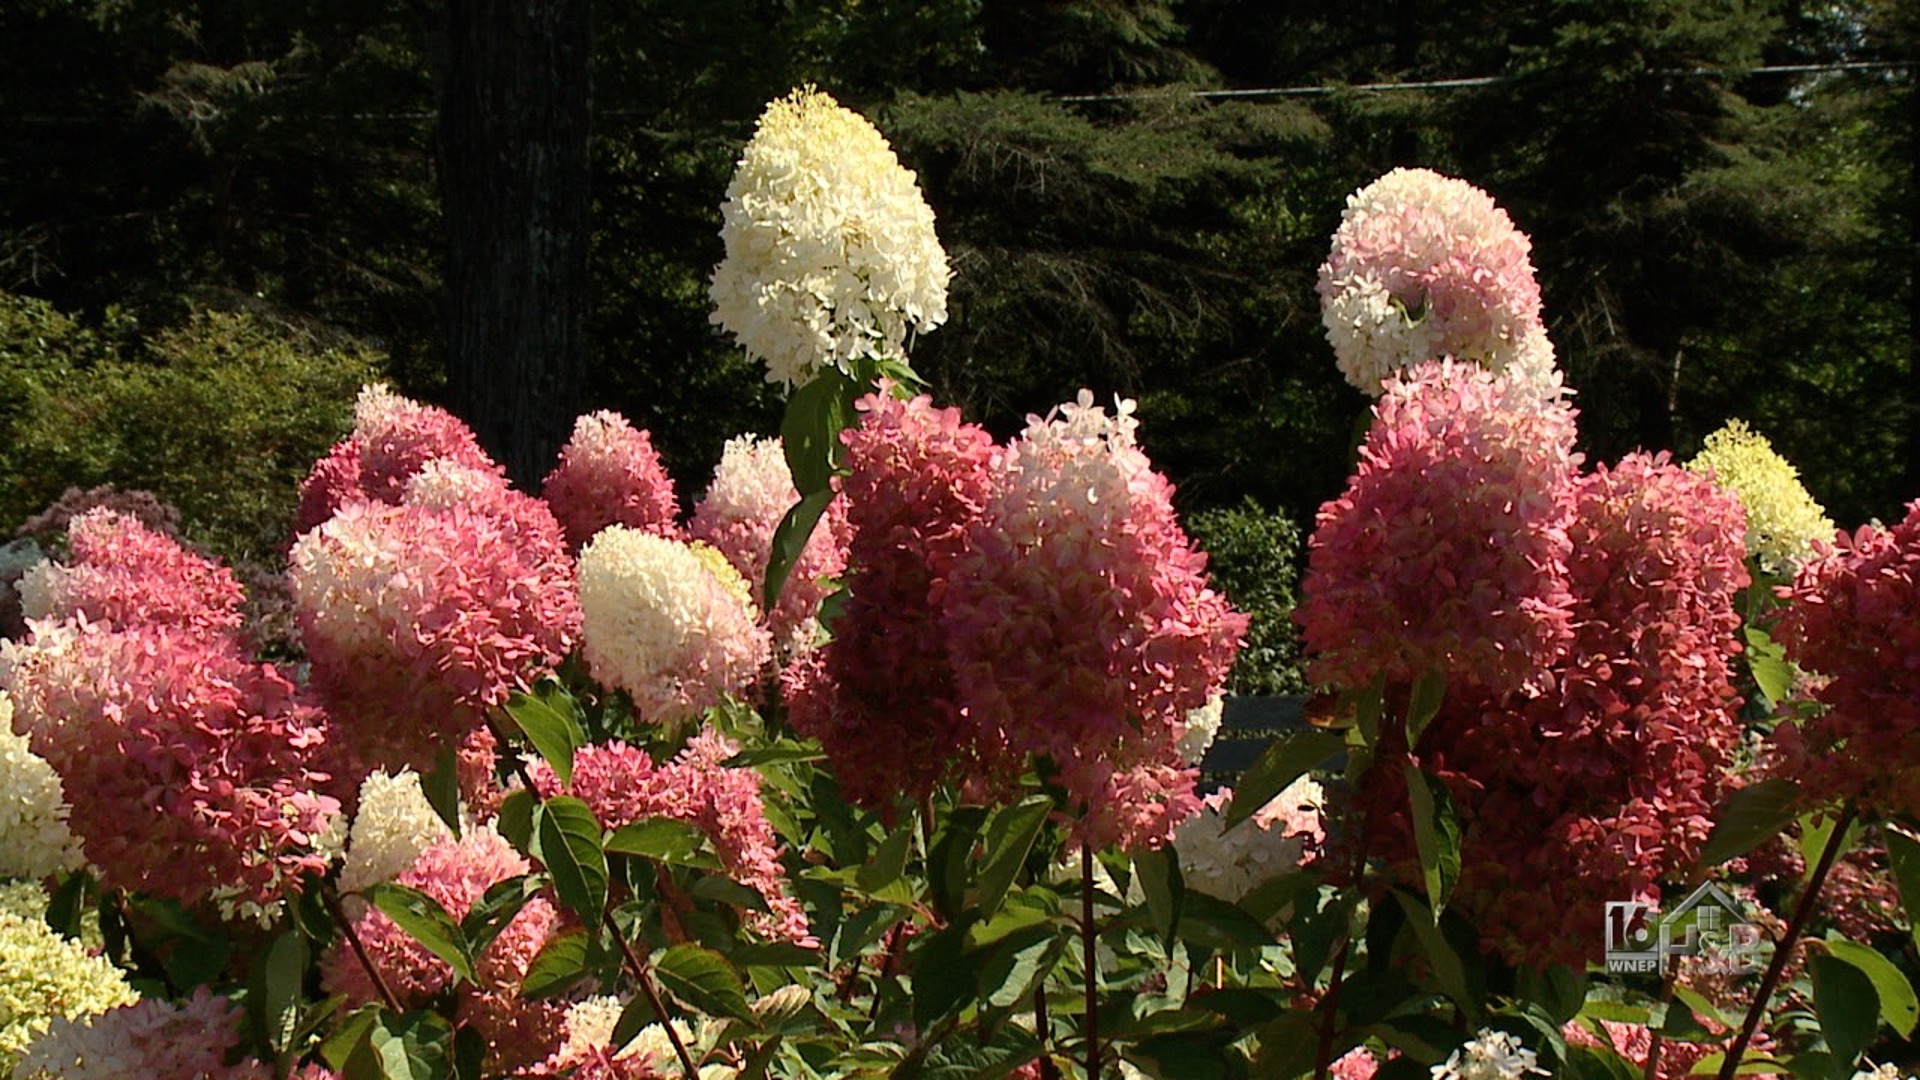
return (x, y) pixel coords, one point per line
(44, 975)
(1782, 519)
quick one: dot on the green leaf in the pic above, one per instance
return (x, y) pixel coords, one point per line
(495, 909)
(68, 901)
(665, 840)
(1158, 872)
(789, 540)
(351, 1034)
(1845, 1000)
(1279, 765)
(1442, 959)
(703, 980)
(1903, 856)
(1436, 832)
(515, 822)
(1754, 814)
(551, 722)
(810, 430)
(1010, 835)
(1815, 830)
(952, 855)
(1768, 663)
(442, 788)
(944, 973)
(1016, 965)
(1898, 1005)
(417, 1046)
(566, 840)
(422, 917)
(889, 859)
(562, 961)
(637, 1015)
(1599, 1063)
(1559, 990)
(277, 996)
(1423, 704)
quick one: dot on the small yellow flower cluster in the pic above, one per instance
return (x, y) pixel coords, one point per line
(1783, 520)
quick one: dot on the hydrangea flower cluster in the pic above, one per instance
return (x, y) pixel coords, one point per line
(588, 1053)
(1490, 1055)
(880, 696)
(661, 625)
(831, 253)
(45, 977)
(1783, 520)
(123, 574)
(393, 437)
(1425, 267)
(418, 616)
(150, 1039)
(34, 839)
(1585, 626)
(1080, 624)
(1448, 550)
(189, 767)
(752, 491)
(622, 785)
(518, 1031)
(1229, 863)
(1853, 616)
(393, 824)
(610, 474)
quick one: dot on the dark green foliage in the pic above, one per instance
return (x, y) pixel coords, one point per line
(1254, 556)
(221, 416)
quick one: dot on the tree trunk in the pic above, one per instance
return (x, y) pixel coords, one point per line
(513, 135)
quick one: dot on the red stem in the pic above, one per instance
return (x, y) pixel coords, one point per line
(1089, 955)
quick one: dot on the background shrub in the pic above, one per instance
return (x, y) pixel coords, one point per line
(1254, 555)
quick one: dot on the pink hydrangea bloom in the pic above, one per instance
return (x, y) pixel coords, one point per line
(122, 574)
(392, 438)
(622, 785)
(610, 474)
(1426, 267)
(151, 1039)
(1853, 617)
(752, 491)
(191, 770)
(1448, 550)
(457, 873)
(1357, 1064)
(880, 696)
(417, 619)
(1603, 785)
(1081, 625)
(1677, 1058)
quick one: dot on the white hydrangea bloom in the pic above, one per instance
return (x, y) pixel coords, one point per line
(394, 825)
(1230, 863)
(339, 572)
(1203, 726)
(443, 484)
(1881, 1072)
(34, 839)
(1372, 334)
(831, 251)
(1491, 1055)
(377, 405)
(45, 977)
(657, 622)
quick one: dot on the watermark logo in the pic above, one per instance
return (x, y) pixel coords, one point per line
(1707, 924)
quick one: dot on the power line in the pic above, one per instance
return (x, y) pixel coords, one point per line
(1468, 83)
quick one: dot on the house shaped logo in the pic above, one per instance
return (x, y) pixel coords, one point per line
(1707, 924)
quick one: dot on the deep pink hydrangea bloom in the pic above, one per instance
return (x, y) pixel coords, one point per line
(151, 1038)
(1853, 617)
(392, 438)
(752, 491)
(122, 574)
(622, 785)
(1449, 548)
(1081, 625)
(610, 474)
(193, 773)
(1603, 785)
(418, 618)
(457, 873)
(880, 696)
